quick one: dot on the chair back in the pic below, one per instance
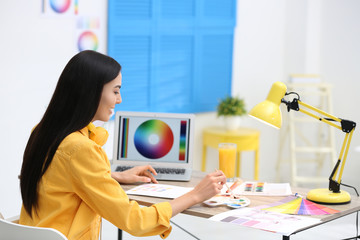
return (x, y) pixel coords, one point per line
(13, 231)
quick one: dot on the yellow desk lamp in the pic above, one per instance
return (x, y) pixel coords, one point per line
(269, 112)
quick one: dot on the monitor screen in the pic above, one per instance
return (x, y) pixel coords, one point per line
(153, 139)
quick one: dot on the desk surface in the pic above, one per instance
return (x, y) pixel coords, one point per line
(201, 210)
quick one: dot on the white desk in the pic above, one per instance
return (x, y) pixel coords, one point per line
(202, 210)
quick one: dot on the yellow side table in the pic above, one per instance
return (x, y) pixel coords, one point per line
(246, 139)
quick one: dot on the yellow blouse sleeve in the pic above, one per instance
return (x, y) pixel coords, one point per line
(92, 181)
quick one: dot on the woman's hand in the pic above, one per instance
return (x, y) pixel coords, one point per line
(207, 188)
(136, 174)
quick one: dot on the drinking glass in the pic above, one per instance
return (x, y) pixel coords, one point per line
(227, 157)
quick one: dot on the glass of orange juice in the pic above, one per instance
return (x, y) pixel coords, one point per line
(227, 157)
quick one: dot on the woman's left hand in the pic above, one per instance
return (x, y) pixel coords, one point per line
(136, 174)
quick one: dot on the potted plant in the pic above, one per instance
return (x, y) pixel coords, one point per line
(231, 108)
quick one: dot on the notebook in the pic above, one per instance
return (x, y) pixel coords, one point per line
(163, 140)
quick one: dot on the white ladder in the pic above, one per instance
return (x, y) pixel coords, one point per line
(310, 141)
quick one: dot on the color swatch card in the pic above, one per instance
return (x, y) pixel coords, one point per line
(297, 205)
(265, 220)
(159, 190)
(259, 188)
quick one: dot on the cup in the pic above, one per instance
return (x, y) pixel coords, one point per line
(227, 157)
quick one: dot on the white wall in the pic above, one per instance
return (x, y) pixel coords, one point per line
(340, 56)
(273, 38)
(34, 50)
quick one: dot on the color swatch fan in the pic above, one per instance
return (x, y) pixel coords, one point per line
(299, 206)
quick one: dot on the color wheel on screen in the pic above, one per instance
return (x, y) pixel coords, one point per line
(153, 139)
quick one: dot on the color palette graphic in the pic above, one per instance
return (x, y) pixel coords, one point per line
(60, 6)
(152, 188)
(299, 206)
(254, 187)
(182, 146)
(76, 6)
(88, 41)
(124, 138)
(153, 139)
(87, 23)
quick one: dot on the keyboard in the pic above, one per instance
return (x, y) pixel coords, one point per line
(177, 174)
(158, 170)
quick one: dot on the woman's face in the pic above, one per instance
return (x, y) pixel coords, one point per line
(109, 98)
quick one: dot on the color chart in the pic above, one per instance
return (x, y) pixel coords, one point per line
(182, 146)
(284, 224)
(298, 206)
(87, 40)
(87, 17)
(261, 188)
(59, 7)
(153, 139)
(125, 138)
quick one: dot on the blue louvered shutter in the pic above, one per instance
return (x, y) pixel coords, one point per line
(176, 55)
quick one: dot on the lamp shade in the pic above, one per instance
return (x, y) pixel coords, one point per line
(268, 111)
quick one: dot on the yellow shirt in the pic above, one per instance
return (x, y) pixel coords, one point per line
(77, 190)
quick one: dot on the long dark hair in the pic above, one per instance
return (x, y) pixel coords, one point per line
(72, 107)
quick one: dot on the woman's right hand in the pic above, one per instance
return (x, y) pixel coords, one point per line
(210, 186)
(207, 188)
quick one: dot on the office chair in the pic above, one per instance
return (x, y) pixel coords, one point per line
(13, 231)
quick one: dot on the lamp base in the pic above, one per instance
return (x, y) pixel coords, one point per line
(325, 196)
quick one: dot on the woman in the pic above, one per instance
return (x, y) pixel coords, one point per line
(66, 182)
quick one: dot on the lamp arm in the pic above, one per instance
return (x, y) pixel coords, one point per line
(334, 185)
(346, 126)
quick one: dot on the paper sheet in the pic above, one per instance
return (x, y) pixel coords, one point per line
(270, 221)
(159, 190)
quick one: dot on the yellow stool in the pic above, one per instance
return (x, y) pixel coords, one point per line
(246, 139)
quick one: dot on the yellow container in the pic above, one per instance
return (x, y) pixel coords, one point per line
(227, 157)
